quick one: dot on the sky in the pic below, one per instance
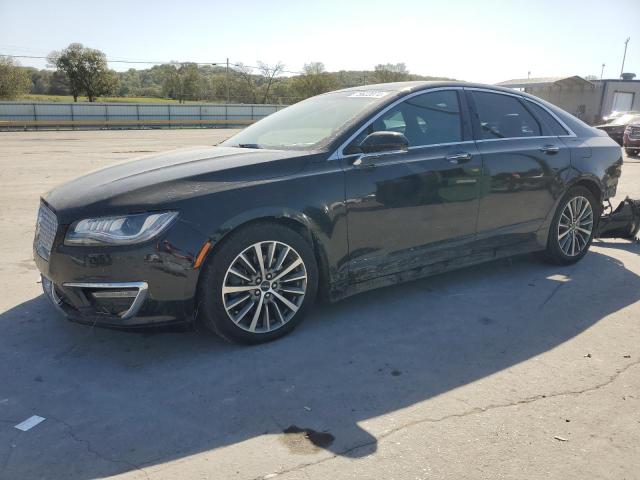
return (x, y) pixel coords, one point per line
(484, 41)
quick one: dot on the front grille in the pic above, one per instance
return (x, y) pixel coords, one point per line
(634, 132)
(46, 229)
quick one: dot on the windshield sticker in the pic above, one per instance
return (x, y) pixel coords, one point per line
(369, 94)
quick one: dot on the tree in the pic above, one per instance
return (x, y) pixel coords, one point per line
(14, 80)
(86, 71)
(269, 73)
(182, 82)
(391, 72)
(190, 81)
(249, 81)
(314, 81)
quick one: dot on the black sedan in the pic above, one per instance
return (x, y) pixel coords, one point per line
(341, 193)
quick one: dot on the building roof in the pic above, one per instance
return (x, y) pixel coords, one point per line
(544, 81)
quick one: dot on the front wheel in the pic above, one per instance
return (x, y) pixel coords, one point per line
(258, 285)
(631, 152)
(572, 227)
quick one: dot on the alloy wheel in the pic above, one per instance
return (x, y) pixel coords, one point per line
(264, 286)
(575, 226)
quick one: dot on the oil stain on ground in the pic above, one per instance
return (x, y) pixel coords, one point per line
(306, 440)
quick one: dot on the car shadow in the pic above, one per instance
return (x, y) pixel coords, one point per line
(116, 401)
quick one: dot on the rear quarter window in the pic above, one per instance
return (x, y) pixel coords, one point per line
(550, 124)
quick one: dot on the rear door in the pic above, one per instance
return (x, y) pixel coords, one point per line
(523, 158)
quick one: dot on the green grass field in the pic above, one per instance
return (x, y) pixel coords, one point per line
(69, 98)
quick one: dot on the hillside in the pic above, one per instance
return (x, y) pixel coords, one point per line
(191, 82)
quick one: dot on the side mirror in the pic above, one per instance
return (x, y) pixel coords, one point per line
(378, 142)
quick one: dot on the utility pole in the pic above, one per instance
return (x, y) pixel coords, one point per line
(626, 42)
(227, 82)
(528, 74)
(602, 72)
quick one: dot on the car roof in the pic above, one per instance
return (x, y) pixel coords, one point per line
(412, 86)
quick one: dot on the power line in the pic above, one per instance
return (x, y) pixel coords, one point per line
(141, 62)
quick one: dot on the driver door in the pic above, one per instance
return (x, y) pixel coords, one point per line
(407, 209)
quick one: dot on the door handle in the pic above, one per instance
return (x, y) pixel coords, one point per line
(458, 158)
(550, 149)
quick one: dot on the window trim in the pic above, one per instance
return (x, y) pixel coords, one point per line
(465, 109)
(521, 98)
(339, 152)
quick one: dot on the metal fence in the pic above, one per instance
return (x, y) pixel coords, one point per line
(36, 116)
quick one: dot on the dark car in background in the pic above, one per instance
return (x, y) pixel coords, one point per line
(616, 127)
(341, 193)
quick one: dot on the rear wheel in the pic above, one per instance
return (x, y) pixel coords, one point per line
(259, 284)
(572, 227)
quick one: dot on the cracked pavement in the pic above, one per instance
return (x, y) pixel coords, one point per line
(513, 369)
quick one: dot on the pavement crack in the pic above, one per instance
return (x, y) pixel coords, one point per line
(473, 411)
(92, 450)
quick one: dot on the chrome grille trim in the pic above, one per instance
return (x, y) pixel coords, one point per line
(46, 229)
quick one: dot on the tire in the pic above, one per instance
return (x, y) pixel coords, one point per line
(631, 152)
(282, 306)
(557, 251)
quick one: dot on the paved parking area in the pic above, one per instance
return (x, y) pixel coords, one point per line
(513, 369)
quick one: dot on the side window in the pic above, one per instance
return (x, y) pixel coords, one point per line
(427, 119)
(503, 116)
(546, 119)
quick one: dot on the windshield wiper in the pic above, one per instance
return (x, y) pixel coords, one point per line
(249, 145)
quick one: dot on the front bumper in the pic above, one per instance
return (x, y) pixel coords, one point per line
(129, 286)
(124, 314)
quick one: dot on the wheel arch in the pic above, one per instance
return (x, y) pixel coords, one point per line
(289, 218)
(591, 184)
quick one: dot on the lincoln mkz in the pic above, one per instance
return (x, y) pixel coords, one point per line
(341, 193)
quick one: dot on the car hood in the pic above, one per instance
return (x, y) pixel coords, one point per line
(163, 181)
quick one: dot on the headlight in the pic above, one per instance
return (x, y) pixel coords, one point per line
(121, 230)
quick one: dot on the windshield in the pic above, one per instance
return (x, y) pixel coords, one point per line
(309, 124)
(626, 119)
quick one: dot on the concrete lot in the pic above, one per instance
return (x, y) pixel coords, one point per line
(514, 369)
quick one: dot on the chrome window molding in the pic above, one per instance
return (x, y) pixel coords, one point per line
(537, 137)
(339, 152)
(143, 289)
(364, 156)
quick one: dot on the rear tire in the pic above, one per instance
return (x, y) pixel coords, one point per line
(247, 299)
(573, 227)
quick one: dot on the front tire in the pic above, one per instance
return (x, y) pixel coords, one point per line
(573, 227)
(258, 285)
(631, 152)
